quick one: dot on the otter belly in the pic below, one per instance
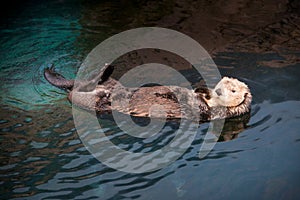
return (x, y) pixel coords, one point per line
(157, 101)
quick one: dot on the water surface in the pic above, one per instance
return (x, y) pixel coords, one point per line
(42, 156)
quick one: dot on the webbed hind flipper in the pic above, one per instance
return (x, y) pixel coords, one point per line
(57, 79)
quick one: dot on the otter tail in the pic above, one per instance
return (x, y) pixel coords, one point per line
(58, 80)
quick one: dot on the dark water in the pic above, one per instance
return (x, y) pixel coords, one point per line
(42, 156)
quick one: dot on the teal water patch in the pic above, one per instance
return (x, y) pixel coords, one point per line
(42, 157)
(32, 41)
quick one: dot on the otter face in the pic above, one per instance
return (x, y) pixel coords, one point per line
(228, 92)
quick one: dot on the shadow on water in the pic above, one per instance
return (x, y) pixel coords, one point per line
(42, 156)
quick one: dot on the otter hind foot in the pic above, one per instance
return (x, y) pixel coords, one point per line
(57, 80)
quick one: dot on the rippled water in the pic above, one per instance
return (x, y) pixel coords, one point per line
(42, 156)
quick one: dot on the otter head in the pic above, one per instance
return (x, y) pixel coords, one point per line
(229, 92)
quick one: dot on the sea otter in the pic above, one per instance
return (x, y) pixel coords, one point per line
(229, 98)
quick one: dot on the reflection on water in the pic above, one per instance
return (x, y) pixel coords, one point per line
(233, 127)
(46, 159)
(42, 156)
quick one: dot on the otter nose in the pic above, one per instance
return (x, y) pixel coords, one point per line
(219, 92)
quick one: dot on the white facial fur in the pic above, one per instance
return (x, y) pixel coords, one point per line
(228, 92)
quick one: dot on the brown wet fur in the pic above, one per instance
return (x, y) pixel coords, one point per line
(156, 101)
(145, 97)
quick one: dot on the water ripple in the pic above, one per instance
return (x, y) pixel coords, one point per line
(42, 156)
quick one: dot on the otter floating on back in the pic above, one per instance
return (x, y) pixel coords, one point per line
(229, 98)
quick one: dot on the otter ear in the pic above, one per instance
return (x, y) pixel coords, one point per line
(105, 73)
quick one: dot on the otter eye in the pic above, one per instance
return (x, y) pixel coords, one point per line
(233, 91)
